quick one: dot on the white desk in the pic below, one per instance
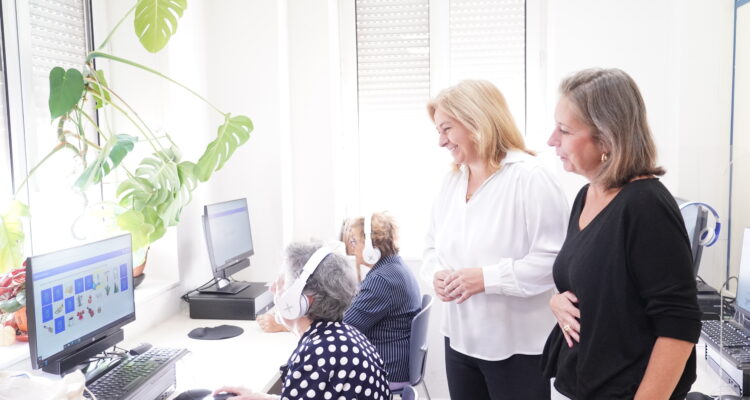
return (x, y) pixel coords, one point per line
(251, 359)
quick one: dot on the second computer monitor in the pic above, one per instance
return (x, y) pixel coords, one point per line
(228, 237)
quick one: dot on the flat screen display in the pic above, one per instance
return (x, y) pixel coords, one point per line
(228, 232)
(77, 295)
(743, 285)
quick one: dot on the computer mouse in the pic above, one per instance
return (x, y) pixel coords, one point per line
(193, 394)
(224, 395)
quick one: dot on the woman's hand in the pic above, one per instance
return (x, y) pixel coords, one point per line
(438, 282)
(464, 283)
(564, 307)
(268, 324)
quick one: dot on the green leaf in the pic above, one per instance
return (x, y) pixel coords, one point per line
(65, 90)
(156, 21)
(155, 181)
(233, 133)
(12, 236)
(170, 210)
(98, 91)
(111, 155)
(134, 222)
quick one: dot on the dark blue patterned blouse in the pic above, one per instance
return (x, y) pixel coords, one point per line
(334, 361)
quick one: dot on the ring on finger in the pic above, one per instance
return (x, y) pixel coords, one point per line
(566, 328)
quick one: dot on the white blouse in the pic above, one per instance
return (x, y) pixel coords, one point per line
(513, 227)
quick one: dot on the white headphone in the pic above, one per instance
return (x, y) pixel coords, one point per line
(292, 304)
(707, 237)
(370, 254)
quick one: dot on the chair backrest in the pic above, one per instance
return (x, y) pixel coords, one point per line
(409, 393)
(418, 341)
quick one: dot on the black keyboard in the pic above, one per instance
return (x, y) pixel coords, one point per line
(142, 377)
(724, 334)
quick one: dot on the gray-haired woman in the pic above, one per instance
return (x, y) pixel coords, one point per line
(332, 359)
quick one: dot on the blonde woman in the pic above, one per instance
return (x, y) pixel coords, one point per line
(626, 264)
(496, 227)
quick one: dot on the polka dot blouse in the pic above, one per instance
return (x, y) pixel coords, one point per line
(334, 361)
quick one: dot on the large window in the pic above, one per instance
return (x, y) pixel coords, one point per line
(44, 34)
(406, 52)
(6, 168)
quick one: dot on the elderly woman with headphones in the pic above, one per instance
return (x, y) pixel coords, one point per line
(332, 359)
(388, 297)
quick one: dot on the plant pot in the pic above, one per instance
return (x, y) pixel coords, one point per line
(138, 274)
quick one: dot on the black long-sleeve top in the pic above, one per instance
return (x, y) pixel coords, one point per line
(630, 268)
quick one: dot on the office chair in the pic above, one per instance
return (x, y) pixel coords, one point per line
(418, 349)
(409, 393)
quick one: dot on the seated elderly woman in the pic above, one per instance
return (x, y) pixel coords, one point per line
(332, 359)
(388, 298)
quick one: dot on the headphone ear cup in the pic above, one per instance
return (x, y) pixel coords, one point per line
(707, 237)
(371, 255)
(304, 306)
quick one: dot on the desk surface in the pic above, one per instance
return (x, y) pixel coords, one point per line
(251, 359)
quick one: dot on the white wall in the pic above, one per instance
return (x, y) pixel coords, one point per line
(679, 53)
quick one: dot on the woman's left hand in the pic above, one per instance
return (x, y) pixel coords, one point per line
(464, 283)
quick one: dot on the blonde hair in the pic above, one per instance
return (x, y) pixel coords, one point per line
(609, 101)
(384, 232)
(481, 108)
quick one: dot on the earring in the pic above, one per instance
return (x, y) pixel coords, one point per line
(605, 157)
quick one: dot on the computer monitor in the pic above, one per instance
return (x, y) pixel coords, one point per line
(226, 227)
(696, 220)
(743, 281)
(77, 301)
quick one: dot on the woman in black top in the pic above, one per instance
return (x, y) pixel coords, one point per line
(627, 311)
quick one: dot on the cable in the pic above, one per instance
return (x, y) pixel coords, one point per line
(728, 299)
(208, 283)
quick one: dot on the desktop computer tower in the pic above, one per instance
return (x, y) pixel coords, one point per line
(244, 305)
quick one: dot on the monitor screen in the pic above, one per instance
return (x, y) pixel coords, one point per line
(743, 284)
(78, 295)
(696, 220)
(227, 231)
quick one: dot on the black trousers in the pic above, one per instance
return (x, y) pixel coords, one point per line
(516, 378)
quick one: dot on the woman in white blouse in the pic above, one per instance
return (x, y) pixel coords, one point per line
(496, 227)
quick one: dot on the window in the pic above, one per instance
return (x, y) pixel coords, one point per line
(406, 52)
(47, 33)
(6, 168)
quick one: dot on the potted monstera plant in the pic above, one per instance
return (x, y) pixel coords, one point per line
(152, 194)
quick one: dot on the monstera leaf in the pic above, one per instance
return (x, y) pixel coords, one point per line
(134, 222)
(65, 90)
(171, 209)
(156, 21)
(156, 180)
(11, 236)
(156, 195)
(111, 155)
(101, 97)
(233, 133)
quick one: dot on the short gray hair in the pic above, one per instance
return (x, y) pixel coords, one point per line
(332, 285)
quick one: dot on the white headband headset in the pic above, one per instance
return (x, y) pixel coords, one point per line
(292, 304)
(370, 254)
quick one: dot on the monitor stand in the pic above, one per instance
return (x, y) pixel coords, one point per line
(223, 286)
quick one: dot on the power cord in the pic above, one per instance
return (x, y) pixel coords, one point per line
(208, 283)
